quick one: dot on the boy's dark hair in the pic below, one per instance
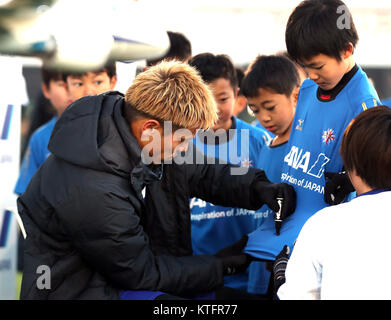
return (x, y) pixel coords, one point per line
(212, 67)
(314, 27)
(239, 76)
(285, 54)
(366, 147)
(273, 72)
(110, 68)
(50, 74)
(180, 49)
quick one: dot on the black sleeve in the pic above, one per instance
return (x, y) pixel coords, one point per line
(106, 231)
(223, 184)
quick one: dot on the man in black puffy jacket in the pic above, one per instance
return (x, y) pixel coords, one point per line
(107, 215)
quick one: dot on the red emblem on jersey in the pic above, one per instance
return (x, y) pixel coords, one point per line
(328, 136)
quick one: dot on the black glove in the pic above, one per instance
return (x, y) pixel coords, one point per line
(337, 187)
(233, 259)
(267, 193)
(279, 267)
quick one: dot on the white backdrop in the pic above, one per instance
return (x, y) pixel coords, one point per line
(13, 94)
(243, 29)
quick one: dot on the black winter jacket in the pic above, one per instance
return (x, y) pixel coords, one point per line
(87, 220)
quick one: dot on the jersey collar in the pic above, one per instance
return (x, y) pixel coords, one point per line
(330, 95)
(375, 191)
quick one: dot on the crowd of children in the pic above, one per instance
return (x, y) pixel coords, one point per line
(258, 190)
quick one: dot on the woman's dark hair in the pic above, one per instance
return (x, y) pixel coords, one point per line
(366, 147)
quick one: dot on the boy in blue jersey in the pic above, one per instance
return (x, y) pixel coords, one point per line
(273, 102)
(322, 41)
(61, 90)
(231, 141)
(324, 265)
(302, 77)
(54, 89)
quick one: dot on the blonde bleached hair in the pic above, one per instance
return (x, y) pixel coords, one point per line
(173, 91)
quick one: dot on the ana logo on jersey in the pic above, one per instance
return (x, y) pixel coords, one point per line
(328, 136)
(298, 159)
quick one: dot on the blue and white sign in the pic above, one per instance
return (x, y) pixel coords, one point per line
(13, 95)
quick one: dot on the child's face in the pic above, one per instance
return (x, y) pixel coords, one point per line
(57, 94)
(89, 84)
(274, 111)
(326, 71)
(224, 96)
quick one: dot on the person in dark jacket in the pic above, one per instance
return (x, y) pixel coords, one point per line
(107, 214)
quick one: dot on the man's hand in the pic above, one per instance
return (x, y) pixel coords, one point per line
(267, 193)
(337, 187)
(233, 259)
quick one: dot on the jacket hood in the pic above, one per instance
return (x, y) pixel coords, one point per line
(92, 133)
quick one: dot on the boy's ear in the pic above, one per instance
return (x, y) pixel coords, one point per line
(45, 90)
(347, 53)
(113, 82)
(236, 92)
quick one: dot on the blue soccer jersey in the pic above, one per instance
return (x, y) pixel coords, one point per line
(313, 148)
(215, 227)
(36, 154)
(271, 161)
